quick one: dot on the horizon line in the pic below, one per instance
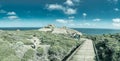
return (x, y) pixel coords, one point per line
(60, 27)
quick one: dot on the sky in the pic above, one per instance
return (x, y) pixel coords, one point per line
(70, 13)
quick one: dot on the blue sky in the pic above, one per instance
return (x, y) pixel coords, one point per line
(70, 13)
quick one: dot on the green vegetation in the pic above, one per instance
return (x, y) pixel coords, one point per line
(28, 55)
(40, 51)
(15, 43)
(6, 51)
(11, 58)
(108, 46)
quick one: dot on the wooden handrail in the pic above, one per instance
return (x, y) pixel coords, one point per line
(97, 57)
(69, 56)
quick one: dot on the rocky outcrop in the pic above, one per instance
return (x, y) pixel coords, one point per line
(63, 30)
(45, 29)
(59, 31)
(48, 28)
(71, 31)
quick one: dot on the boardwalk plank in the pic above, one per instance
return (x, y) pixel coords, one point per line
(85, 52)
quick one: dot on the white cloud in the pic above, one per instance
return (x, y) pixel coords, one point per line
(70, 11)
(55, 7)
(61, 21)
(81, 24)
(116, 22)
(66, 9)
(12, 17)
(3, 11)
(97, 20)
(84, 14)
(11, 13)
(116, 9)
(69, 2)
(70, 21)
(72, 25)
(87, 24)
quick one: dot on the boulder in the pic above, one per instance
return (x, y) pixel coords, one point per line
(59, 31)
(48, 28)
(45, 29)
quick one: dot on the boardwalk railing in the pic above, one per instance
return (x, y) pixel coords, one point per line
(69, 56)
(97, 57)
(73, 52)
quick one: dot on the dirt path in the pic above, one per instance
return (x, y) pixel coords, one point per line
(85, 52)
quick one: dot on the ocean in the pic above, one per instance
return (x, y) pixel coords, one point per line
(20, 28)
(83, 30)
(97, 31)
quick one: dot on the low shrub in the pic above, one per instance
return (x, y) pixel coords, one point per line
(28, 55)
(40, 51)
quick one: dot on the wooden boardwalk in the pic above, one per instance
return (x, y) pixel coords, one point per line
(84, 53)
